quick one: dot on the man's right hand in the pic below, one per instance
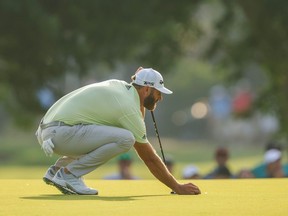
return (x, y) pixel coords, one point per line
(156, 166)
(187, 189)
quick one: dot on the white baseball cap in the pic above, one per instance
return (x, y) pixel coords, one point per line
(271, 156)
(190, 171)
(152, 78)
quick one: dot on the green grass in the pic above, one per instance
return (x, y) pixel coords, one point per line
(146, 197)
(22, 165)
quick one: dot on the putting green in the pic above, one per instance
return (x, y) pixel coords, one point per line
(146, 197)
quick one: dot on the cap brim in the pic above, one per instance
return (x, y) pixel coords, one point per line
(164, 90)
(271, 156)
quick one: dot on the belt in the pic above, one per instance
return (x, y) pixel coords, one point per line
(53, 124)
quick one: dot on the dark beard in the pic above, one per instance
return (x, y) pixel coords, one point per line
(149, 102)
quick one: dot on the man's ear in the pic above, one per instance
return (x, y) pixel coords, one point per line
(147, 90)
(144, 91)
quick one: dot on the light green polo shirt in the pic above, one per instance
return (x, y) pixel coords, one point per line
(112, 103)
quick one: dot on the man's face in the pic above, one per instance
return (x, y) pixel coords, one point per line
(151, 100)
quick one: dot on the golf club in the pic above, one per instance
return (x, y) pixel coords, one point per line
(158, 136)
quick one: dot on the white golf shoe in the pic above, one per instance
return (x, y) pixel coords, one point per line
(69, 184)
(50, 173)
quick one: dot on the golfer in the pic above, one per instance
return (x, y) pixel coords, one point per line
(97, 122)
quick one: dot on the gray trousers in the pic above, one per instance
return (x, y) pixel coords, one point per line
(86, 147)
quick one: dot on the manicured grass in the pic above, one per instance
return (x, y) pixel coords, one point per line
(147, 197)
(24, 193)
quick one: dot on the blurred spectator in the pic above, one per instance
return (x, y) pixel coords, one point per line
(271, 166)
(220, 102)
(273, 145)
(243, 99)
(191, 172)
(221, 170)
(244, 173)
(170, 163)
(46, 97)
(124, 169)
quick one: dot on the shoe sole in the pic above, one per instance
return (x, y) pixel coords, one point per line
(65, 190)
(62, 189)
(69, 191)
(48, 181)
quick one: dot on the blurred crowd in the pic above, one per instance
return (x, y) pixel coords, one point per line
(272, 166)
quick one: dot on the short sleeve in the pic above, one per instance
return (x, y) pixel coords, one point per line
(135, 123)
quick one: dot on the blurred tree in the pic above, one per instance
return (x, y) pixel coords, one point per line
(190, 81)
(41, 40)
(255, 32)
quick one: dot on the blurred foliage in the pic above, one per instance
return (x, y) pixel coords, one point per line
(42, 40)
(190, 84)
(255, 33)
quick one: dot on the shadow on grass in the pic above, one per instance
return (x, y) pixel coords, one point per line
(88, 197)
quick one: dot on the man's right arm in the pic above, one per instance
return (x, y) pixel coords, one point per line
(154, 163)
